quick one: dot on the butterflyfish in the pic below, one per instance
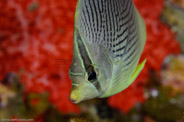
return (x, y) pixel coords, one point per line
(109, 37)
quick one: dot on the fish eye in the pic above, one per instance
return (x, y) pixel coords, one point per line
(92, 75)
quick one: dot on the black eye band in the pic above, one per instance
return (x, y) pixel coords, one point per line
(92, 75)
(83, 51)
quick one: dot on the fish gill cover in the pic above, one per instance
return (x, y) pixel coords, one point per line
(36, 39)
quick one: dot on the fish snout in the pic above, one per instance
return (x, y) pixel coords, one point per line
(75, 96)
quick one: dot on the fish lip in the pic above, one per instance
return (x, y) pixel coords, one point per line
(73, 101)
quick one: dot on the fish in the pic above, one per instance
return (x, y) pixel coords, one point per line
(109, 38)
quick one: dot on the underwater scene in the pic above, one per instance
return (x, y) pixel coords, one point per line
(36, 56)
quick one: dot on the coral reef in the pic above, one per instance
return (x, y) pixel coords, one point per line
(33, 44)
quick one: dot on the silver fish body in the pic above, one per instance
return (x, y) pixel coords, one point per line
(109, 37)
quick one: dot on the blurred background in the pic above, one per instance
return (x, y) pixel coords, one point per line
(36, 38)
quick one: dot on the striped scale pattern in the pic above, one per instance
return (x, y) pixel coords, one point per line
(111, 24)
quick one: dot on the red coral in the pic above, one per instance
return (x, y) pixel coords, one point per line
(33, 36)
(160, 42)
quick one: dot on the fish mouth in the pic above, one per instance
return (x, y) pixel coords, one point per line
(73, 101)
(75, 97)
(83, 91)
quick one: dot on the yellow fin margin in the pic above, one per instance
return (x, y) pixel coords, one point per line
(137, 71)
